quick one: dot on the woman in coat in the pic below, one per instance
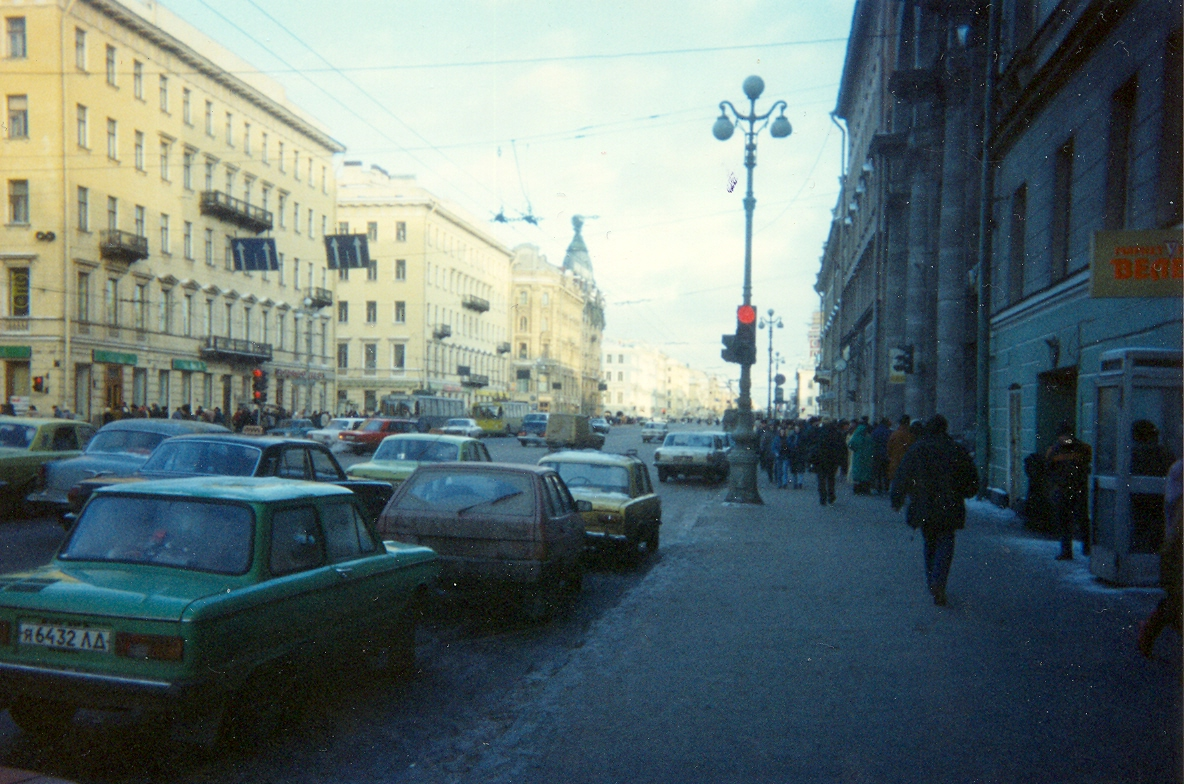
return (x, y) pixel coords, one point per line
(862, 447)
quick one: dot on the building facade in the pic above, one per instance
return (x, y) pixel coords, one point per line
(641, 381)
(136, 151)
(430, 314)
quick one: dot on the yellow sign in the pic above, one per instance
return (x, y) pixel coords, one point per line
(1138, 263)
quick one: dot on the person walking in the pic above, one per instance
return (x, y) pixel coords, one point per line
(1068, 462)
(935, 476)
(880, 435)
(785, 445)
(862, 451)
(797, 461)
(1170, 610)
(830, 452)
(898, 443)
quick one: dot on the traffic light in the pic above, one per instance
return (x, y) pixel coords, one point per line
(741, 347)
(259, 385)
(902, 361)
(729, 352)
(38, 383)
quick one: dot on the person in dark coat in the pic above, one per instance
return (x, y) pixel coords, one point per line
(1068, 462)
(830, 452)
(936, 474)
(1170, 610)
(880, 435)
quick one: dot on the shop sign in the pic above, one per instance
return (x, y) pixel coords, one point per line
(190, 364)
(16, 352)
(1137, 263)
(314, 375)
(112, 357)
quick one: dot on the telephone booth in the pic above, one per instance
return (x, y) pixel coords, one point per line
(1138, 436)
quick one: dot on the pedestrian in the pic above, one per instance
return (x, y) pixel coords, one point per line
(935, 476)
(1068, 462)
(784, 455)
(862, 452)
(1170, 610)
(1148, 456)
(880, 435)
(767, 446)
(797, 462)
(830, 452)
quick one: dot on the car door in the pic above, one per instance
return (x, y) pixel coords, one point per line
(564, 527)
(370, 591)
(293, 463)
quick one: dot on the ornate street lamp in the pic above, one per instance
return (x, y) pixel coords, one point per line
(770, 322)
(743, 457)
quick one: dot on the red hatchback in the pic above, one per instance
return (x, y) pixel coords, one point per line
(370, 433)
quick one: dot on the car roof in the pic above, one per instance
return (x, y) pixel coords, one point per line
(222, 488)
(589, 456)
(39, 421)
(448, 439)
(261, 442)
(388, 419)
(169, 426)
(522, 468)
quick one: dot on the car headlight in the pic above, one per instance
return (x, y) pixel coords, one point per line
(658, 454)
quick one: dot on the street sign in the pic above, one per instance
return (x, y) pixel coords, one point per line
(347, 250)
(253, 254)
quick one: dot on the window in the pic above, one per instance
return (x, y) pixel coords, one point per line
(280, 157)
(18, 288)
(187, 169)
(1061, 209)
(1122, 111)
(83, 209)
(370, 356)
(263, 148)
(112, 139)
(209, 180)
(165, 243)
(164, 93)
(343, 273)
(296, 543)
(400, 231)
(166, 311)
(229, 129)
(522, 355)
(187, 315)
(186, 106)
(372, 270)
(164, 160)
(310, 182)
(246, 138)
(138, 79)
(608, 359)
(620, 375)
(1017, 247)
(209, 246)
(187, 240)
(1168, 188)
(523, 298)
(620, 359)
(400, 358)
(79, 48)
(18, 117)
(111, 302)
(84, 297)
(400, 269)
(371, 312)
(209, 118)
(342, 312)
(296, 165)
(140, 306)
(282, 210)
(83, 127)
(342, 356)
(139, 151)
(310, 221)
(15, 27)
(18, 201)
(296, 217)
(522, 324)
(324, 225)
(400, 312)
(140, 220)
(112, 213)
(110, 65)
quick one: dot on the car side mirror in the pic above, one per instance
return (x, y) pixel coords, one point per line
(583, 506)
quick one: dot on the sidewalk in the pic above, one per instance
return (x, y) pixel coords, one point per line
(796, 643)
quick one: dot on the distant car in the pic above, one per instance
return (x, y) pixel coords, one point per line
(398, 456)
(654, 430)
(534, 429)
(625, 513)
(462, 427)
(203, 603)
(327, 435)
(571, 431)
(26, 444)
(238, 455)
(702, 454)
(367, 436)
(292, 428)
(118, 449)
(516, 527)
(600, 425)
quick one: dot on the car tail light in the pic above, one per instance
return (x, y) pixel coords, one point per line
(5, 632)
(149, 646)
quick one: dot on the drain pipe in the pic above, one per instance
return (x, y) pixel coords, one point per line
(982, 437)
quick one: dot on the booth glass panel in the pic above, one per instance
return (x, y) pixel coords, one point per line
(1106, 448)
(1103, 535)
(1146, 522)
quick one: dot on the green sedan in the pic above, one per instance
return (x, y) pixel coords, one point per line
(398, 456)
(205, 602)
(26, 444)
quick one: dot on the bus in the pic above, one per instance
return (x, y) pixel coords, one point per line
(503, 418)
(429, 411)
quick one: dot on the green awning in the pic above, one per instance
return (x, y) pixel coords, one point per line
(16, 352)
(190, 364)
(113, 357)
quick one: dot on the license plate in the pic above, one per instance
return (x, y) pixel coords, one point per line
(68, 638)
(683, 458)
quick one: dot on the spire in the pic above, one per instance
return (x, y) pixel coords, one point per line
(577, 259)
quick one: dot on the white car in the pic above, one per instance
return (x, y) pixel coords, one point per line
(462, 427)
(327, 435)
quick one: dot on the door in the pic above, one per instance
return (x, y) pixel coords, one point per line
(1056, 402)
(1015, 456)
(113, 386)
(17, 380)
(227, 396)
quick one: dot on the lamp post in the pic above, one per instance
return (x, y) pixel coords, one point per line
(770, 322)
(742, 484)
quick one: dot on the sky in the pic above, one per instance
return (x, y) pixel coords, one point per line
(549, 110)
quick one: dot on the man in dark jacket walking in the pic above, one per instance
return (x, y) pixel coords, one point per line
(830, 452)
(936, 475)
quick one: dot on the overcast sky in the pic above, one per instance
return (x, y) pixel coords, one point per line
(550, 109)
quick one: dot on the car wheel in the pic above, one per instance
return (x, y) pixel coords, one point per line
(42, 718)
(661, 475)
(651, 541)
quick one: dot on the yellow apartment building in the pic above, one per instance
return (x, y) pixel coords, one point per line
(134, 151)
(430, 315)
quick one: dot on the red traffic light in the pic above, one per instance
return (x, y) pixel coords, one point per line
(746, 314)
(257, 373)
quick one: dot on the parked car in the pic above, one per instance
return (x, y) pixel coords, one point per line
(25, 445)
(600, 425)
(203, 602)
(398, 456)
(327, 435)
(462, 427)
(239, 455)
(367, 436)
(654, 430)
(514, 526)
(571, 431)
(292, 428)
(117, 449)
(534, 429)
(625, 513)
(702, 454)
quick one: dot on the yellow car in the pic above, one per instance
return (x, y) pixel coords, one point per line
(398, 456)
(625, 511)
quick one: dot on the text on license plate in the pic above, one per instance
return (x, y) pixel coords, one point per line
(683, 458)
(71, 638)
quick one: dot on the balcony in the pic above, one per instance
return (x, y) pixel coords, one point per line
(442, 331)
(503, 348)
(475, 381)
(602, 387)
(474, 303)
(116, 245)
(225, 207)
(235, 350)
(318, 298)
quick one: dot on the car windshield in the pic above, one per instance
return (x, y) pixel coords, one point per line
(19, 436)
(133, 442)
(340, 424)
(423, 450)
(198, 535)
(203, 457)
(614, 479)
(457, 423)
(473, 493)
(689, 439)
(372, 426)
